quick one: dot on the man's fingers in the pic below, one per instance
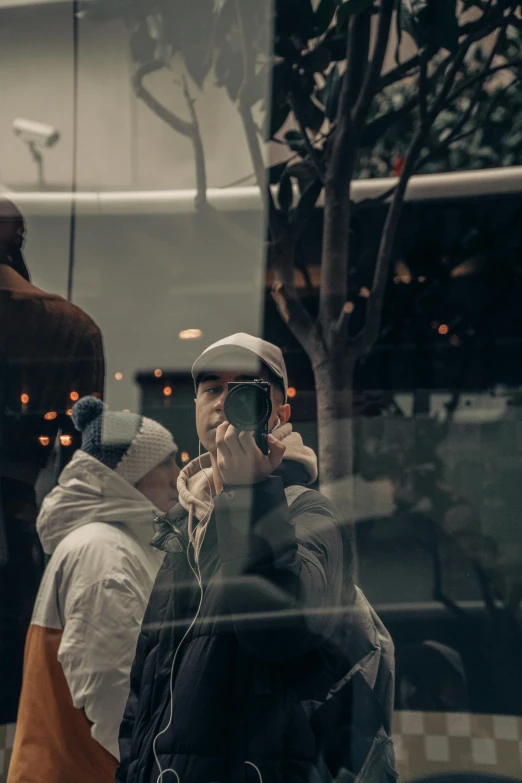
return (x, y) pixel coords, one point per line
(248, 443)
(233, 443)
(276, 450)
(221, 444)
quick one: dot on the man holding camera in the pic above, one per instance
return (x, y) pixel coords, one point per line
(258, 659)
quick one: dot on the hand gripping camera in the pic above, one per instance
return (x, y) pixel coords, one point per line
(248, 408)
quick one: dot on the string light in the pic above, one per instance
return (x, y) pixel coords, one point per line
(443, 329)
(292, 391)
(190, 334)
(158, 373)
(118, 376)
(50, 416)
(69, 411)
(66, 440)
(44, 440)
(185, 457)
(74, 396)
(24, 398)
(167, 391)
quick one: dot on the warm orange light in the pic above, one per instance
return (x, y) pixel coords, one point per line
(167, 391)
(364, 292)
(25, 399)
(291, 392)
(443, 329)
(66, 440)
(74, 396)
(421, 279)
(50, 416)
(158, 373)
(44, 440)
(69, 411)
(402, 272)
(190, 334)
(118, 376)
(185, 457)
(126, 410)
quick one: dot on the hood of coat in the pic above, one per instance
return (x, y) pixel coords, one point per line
(195, 482)
(88, 491)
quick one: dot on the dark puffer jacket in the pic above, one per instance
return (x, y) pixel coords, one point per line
(285, 677)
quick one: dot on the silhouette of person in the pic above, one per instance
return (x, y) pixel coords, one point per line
(51, 354)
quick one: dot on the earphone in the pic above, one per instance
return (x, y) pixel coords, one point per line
(197, 574)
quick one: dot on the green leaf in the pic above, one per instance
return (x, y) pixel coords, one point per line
(198, 60)
(431, 22)
(444, 24)
(275, 172)
(280, 108)
(311, 114)
(333, 86)
(303, 171)
(413, 18)
(349, 8)
(336, 43)
(323, 16)
(295, 141)
(142, 46)
(228, 69)
(308, 199)
(285, 193)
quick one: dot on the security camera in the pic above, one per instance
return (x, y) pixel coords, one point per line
(36, 134)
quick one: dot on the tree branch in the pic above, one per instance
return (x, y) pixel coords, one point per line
(480, 82)
(245, 112)
(374, 68)
(482, 77)
(399, 73)
(199, 153)
(370, 331)
(357, 51)
(345, 142)
(175, 122)
(423, 92)
(297, 318)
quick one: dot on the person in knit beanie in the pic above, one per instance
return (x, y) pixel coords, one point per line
(96, 526)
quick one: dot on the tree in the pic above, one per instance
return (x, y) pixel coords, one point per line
(333, 100)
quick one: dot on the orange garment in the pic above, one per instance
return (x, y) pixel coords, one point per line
(61, 750)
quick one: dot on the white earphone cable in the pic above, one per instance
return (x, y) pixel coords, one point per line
(197, 574)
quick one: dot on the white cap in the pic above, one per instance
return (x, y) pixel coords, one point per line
(243, 352)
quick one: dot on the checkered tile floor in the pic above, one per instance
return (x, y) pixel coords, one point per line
(425, 743)
(431, 742)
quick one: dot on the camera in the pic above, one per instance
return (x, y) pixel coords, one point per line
(248, 408)
(35, 133)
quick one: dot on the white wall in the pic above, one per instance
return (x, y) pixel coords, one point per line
(142, 280)
(120, 142)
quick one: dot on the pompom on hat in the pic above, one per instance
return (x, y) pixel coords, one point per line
(128, 443)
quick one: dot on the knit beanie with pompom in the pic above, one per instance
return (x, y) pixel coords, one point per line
(129, 444)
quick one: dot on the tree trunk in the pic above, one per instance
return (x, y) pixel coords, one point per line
(334, 391)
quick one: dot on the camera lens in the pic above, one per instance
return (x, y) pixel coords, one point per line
(247, 407)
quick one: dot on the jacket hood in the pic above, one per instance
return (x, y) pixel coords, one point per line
(88, 491)
(195, 482)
